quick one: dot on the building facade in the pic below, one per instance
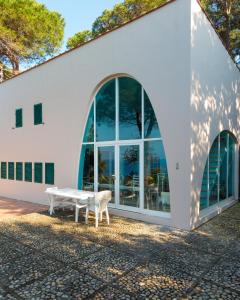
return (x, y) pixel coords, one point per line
(149, 110)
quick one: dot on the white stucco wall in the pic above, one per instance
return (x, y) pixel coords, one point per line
(215, 99)
(155, 50)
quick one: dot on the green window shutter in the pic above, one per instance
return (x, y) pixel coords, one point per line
(19, 171)
(18, 118)
(38, 167)
(38, 114)
(11, 170)
(3, 170)
(49, 173)
(28, 171)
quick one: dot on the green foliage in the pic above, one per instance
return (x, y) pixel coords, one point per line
(225, 15)
(79, 38)
(29, 32)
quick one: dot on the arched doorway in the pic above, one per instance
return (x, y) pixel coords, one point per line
(122, 148)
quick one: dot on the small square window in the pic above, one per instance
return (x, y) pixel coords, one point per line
(3, 170)
(19, 171)
(18, 118)
(38, 114)
(38, 167)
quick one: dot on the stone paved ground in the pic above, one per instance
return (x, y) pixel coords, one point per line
(44, 257)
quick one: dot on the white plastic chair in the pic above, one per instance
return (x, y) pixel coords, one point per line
(98, 205)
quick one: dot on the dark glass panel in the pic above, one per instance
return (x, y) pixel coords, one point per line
(106, 170)
(157, 194)
(129, 175)
(106, 112)
(86, 168)
(223, 165)
(204, 189)
(151, 129)
(213, 173)
(231, 170)
(130, 109)
(89, 130)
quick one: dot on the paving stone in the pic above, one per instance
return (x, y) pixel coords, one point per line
(113, 294)
(10, 250)
(69, 251)
(185, 259)
(4, 295)
(226, 273)
(25, 269)
(63, 284)
(208, 290)
(107, 264)
(155, 281)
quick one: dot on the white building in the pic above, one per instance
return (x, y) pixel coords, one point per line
(149, 110)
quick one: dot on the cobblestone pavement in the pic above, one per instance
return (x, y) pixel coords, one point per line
(43, 257)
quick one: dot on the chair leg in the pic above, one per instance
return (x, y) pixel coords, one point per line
(86, 216)
(107, 216)
(76, 214)
(100, 216)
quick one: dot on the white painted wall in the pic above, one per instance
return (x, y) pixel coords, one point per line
(155, 50)
(215, 99)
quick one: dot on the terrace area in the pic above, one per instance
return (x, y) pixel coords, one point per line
(43, 257)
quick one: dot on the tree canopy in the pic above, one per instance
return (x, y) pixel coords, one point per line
(29, 32)
(224, 14)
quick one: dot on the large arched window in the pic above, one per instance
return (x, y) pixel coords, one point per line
(122, 148)
(218, 176)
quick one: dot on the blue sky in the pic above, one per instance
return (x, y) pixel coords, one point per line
(78, 14)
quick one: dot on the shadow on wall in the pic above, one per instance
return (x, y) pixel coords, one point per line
(215, 100)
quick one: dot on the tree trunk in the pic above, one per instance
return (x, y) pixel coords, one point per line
(1, 73)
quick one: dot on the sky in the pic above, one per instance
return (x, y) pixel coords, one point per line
(78, 14)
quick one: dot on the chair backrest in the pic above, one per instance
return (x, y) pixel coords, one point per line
(101, 200)
(51, 188)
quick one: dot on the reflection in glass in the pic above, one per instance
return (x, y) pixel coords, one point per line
(130, 109)
(106, 170)
(86, 169)
(223, 165)
(157, 196)
(231, 162)
(204, 189)
(213, 173)
(129, 175)
(89, 130)
(105, 112)
(151, 129)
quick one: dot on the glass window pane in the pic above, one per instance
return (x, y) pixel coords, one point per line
(204, 189)
(106, 169)
(38, 114)
(130, 109)
(28, 171)
(151, 129)
(86, 168)
(231, 162)
(213, 173)
(89, 130)
(3, 170)
(19, 171)
(156, 192)
(18, 120)
(223, 166)
(38, 169)
(49, 173)
(106, 112)
(129, 175)
(11, 170)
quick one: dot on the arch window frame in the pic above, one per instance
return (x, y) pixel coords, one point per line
(218, 171)
(117, 143)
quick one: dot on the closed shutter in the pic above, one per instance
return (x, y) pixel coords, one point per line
(38, 172)
(49, 173)
(28, 171)
(38, 114)
(11, 170)
(19, 171)
(18, 118)
(3, 170)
